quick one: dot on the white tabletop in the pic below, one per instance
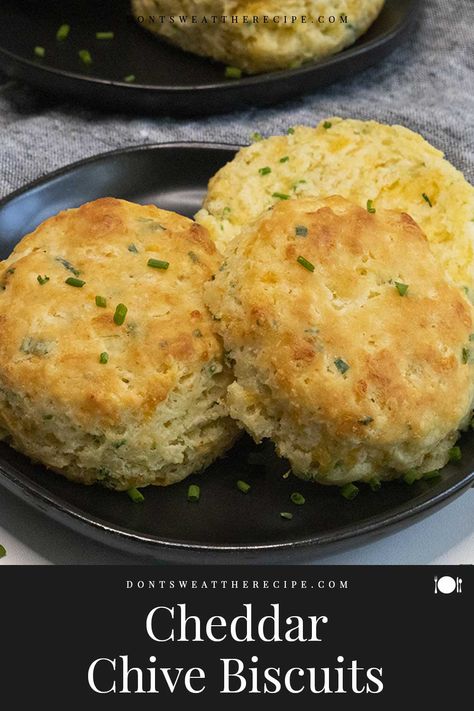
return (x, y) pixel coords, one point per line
(445, 537)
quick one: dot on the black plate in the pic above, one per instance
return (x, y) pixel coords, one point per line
(226, 525)
(167, 79)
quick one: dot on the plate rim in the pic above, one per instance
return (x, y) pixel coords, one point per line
(264, 78)
(33, 493)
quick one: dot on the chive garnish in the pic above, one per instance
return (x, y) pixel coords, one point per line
(119, 443)
(3, 551)
(301, 231)
(304, 263)
(85, 56)
(327, 124)
(243, 486)
(264, 171)
(455, 454)
(42, 279)
(349, 491)
(285, 159)
(72, 281)
(63, 32)
(286, 515)
(297, 498)
(256, 136)
(281, 196)
(426, 199)
(194, 492)
(290, 131)
(104, 35)
(471, 336)
(157, 264)
(67, 265)
(135, 495)
(410, 477)
(233, 73)
(104, 358)
(132, 248)
(129, 78)
(466, 355)
(120, 314)
(375, 484)
(341, 365)
(432, 475)
(370, 207)
(40, 52)
(401, 288)
(101, 301)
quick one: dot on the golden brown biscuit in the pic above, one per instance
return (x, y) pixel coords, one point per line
(259, 38)
(97, 394)
(392, 166)
(351, 348)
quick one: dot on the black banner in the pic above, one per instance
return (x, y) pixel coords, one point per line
(154, 637)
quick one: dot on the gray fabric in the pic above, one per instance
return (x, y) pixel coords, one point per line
(426, 84)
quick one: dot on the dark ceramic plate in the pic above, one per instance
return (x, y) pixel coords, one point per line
(226, 525)
(168, 80)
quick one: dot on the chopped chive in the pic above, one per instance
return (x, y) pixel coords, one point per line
(327, 124)
(101, 301)
(455, 454)
(42, 279)
(401, 288)
(256, 136)
(119, 443)
(471, 336)
(341, 365)
(194, 492)
(286, 515)
(63, 32)
(264, 171)
(72, 281)
(233, 73)
(104, 35)
(243, 486)
(85, 56)
(157, 264)
(410, 477)
(370, 207)
(301, 231)
(285, 159)
(104, 358)
(3, 551)
(290, 131)
(120, 314)
(130, 78)
(304, 263)
(281, 196)
(67, 265)
(426, 199)
(297, 498)
(375, 484)
(432, 475)
(40, 51)
(135, 495)
(366, 420)
(466, 355)
(132, 248)
(349, 491)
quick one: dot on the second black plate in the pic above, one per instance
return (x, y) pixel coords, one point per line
(226, 525)
(167, 80)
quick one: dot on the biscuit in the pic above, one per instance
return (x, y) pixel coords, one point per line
(392, 166)
(351, 349)
(259, 43)
(97, 394)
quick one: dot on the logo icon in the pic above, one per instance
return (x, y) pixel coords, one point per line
(447, 585)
